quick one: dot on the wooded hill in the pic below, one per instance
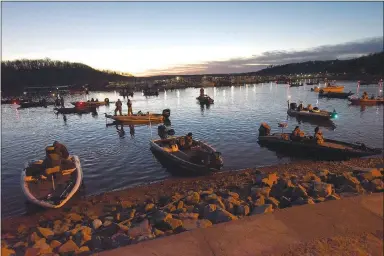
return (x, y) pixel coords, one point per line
(15, 75)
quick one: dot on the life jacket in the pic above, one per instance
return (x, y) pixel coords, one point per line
(118, 104)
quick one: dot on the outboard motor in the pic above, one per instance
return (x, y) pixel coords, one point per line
(293, 105)
(264, 130)
(166, 112)
(215, 160)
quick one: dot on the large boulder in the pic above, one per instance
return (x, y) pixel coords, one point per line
(74, 217)
(377, 185)
(273, 201)
(45, 232)
(321, 189)
(96, 224)
(260, 191)
(266, 208)
(42, 246)
(69, 247)
(310, 177)
(193, 224)
(242, 210)
(270, 179)
(259, 201)
(217, 215)
(193, 198)
(140, 229)
(372, 174)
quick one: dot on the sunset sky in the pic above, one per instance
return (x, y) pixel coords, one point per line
(151, 38)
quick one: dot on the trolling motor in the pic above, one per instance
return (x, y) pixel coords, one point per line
(164, 132)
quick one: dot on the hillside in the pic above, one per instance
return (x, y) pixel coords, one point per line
(372, 64)
(15, 75)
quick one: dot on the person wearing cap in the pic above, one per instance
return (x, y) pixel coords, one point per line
(297, 134)
(61, 150)
(318, 136)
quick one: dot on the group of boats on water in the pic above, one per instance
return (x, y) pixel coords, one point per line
(50, 184)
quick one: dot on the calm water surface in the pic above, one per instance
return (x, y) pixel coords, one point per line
(112, 162)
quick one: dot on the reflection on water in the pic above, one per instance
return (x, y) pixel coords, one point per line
(111, 161)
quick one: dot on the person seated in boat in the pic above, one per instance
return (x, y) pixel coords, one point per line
(309, 107)
(365, 96)
(264, 129)
(172, 146)
(97, 100)
(181, 142)
(129, 104)
(300, 107)
(318, 136)
(92, 100)
(297, 134)
(372, 97)
(119, 105)
(61, 150)
(188, 141)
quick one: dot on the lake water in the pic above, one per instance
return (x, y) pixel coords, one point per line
(111, 162)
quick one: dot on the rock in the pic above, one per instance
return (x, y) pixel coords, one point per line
(266, 208)
(376, 185)
(107, 223)
(117, 217)
(233, 201)
(127, 214)
(217, 215)
(96, 243)
(273, 201)
(352, 189)
(174, 223)
(296, 192)
(158, 232)
(321, 189)
(74, 217)
(29, 252)
(96, 223)
(194, 198)
(332, 197)
(256, 192)
(7, 252)
(54, 244)
(149, 207)
(22, 229)
(193, 224)
(20, 244)
(189, 215)
(211, 198)
(229, 207)
(302, 201)
(206, 192)
(45, 232)
(42, 246)
(85, 234)
(319, 199)
(372, 174)
(344, 179)
(82, 249)
(189, 208)
(284, 202)
(310, 177)
(234, 195)
(121, 239)
(242, 210)
(323, 173)
(68, 247)
(160, 217)
(108, 231)
(126, 204)
(180, 205)
(34, 237)
(141, 229)
(270, 180)
(295, 180)
(260, 201)
(60, 227)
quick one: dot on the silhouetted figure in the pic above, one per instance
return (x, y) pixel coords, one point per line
(62, 102)
(132, 130)
(119, 105)
(129, 104)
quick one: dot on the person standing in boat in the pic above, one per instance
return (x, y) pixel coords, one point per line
(129, 104)
(365, 96)
(62, 101)
(119, 105)
(318, 136)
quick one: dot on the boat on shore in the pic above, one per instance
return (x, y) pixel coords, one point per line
(359, 101)
(329, 88)
(315, 113)
(141, 118)
(205, 99)
(329, 150)
(200, 159)
(335, 95)
(51, 188)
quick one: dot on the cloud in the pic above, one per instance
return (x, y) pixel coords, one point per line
(257, 62)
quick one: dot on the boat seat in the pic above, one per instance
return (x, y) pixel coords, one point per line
(68, 171)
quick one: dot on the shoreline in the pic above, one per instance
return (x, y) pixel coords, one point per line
(175, 184)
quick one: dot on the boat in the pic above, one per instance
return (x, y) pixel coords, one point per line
(307, 147)
(359, 101)
(34, 104)
(293, 110)
(149, 92)
(200, 159)
(141, 118)
(75, 110)
(295, 84)
(336, 95)
(311, 83)
(91, 103)
(53, 187)
(329, 88)
(205, 99)
(15, 101)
